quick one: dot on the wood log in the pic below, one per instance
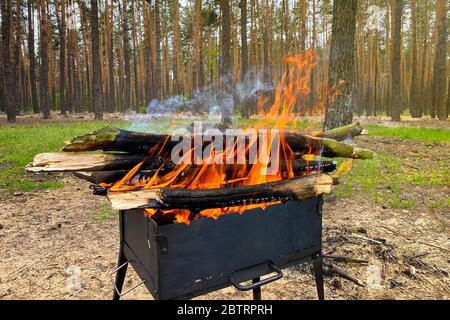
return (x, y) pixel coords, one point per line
(200, 199)
(343, 133)
(97, 167)
(112, 139)
(101, 176)
(97, 177)
(60, 162)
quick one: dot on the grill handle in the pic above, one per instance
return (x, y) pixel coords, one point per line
(261, 283)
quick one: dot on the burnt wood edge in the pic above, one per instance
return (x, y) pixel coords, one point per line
(196, 200)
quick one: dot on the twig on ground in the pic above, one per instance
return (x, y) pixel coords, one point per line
(416, 241)
(345, 259)
(377, 241)
(333, 270)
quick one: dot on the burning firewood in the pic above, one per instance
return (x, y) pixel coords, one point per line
(97, 177)
(112, 139)
(199, 199)
(96, 166)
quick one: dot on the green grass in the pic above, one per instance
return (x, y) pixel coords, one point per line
(419, 134)
(104, 213)
(20, 143)
(388, 181)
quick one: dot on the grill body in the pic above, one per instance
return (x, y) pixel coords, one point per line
(178, 261)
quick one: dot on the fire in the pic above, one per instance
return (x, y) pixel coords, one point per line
(294, 84)
(344, 168)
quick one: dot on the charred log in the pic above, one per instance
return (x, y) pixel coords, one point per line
(201, 199)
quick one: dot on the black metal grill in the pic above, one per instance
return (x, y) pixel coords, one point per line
(177, 261)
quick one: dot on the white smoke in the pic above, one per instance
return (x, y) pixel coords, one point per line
(212, 104)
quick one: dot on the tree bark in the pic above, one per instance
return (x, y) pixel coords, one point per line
(341, 65)
(61, 19)
(197, 67)
(177, 73)
(97, 85)
(415, 84)
(126, 58)
(396, 104)
(440, 64)
(43, 44)
(158, 77)
(9, 77)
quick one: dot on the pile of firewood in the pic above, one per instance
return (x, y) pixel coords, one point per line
(124, 150)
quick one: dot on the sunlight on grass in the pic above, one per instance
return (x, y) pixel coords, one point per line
(20, 143)
(420, 134)
(386, 179)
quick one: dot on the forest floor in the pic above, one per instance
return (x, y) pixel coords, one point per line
(393, 211)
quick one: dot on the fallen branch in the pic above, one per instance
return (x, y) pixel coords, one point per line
(343, 133)
(200, 199)
(333, 270)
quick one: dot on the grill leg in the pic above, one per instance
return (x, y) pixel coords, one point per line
(120, 275)
(318, 275)
(256, 291)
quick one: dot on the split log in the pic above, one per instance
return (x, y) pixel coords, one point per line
(112, 139)
(60, 162)
(96, 166)
(201, 199)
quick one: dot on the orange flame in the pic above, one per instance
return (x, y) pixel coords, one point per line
(294, 84)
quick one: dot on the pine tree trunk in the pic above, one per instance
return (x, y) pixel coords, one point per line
(97, 86)
(396, 78)
(135, 60)
(18, 55)
(112, 91)
(126, 58)
(61, 18)
(197, 68)
(43, 71)
(341, 64)
(440, 64)
(244, 54)
(225, 40)
(148, 54)
(9, 77)
(415, 85)
(158, 77)
(177, 75)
